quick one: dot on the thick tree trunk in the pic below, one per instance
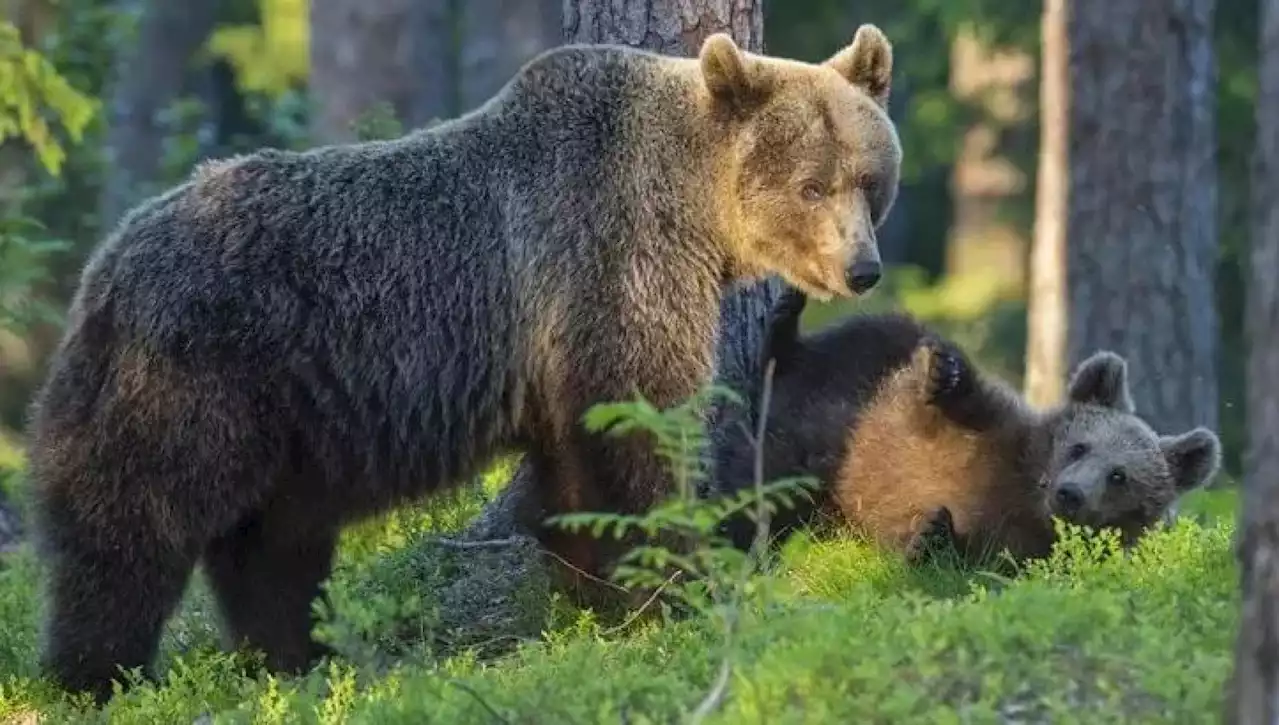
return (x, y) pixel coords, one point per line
(1254, 692)
(499, 36)
(676, 28)
(1047, 291)
(673, 27)
(364, 54)
(147, 79)
(1143, 199)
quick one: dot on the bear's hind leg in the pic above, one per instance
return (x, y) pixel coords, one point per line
(266, 574)
(932, 537)
(106, 610)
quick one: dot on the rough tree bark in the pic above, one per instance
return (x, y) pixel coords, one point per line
(1047, 291)
(147, 79)
(1253, 694)
(363, 54)
(676, 28)
(1143, 198)
(499, 36)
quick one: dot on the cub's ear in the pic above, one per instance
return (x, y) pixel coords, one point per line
(867, 63)
(732, 77)
(1103, 379)
(782, 339)
(1193, 458)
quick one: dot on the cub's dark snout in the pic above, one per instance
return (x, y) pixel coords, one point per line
(1069, 498)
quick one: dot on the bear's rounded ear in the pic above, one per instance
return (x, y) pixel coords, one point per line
(867, 63)
(730, 75)
(1194, 458)
(1103, 380)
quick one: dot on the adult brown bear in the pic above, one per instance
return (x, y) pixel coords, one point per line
(287, 342)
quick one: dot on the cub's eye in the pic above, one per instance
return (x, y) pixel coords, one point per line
(1117, 478)
(1077, 451)
(813, 191)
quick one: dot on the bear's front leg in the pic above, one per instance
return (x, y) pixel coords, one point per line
(607, 474)
(935, 534)
(951, 377)
(782, 337)
(955, 387)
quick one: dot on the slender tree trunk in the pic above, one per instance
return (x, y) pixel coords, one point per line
(1254, 691)
(1047, 292)
(499, 36)
(149, 78)
(983, 247)
(1143, 199)
(675, 28)
(364, 54)
(433, 62)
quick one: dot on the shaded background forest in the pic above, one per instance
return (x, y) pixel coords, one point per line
(173, 83)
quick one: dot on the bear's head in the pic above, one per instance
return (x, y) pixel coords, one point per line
(1107, 466)
(813, 160)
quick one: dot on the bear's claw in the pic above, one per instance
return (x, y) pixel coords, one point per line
(936, 532)
(947, 371)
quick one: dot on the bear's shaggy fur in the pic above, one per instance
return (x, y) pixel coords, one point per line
(913, 446)
(287, 342)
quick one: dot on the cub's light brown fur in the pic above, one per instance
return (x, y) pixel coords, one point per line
(906, 458)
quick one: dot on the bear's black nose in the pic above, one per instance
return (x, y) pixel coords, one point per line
(863, 276)
(1070, 497)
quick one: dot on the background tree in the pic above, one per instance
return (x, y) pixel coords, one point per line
(150, 76)
(1046, 294)
(499, 36)
(675, 28)
(1254, 699)
(1143, 200)
(363, 54)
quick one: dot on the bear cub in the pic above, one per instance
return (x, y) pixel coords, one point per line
(915, 448)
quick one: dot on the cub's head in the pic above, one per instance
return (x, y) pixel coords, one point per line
(813, 160)
(1108, 467)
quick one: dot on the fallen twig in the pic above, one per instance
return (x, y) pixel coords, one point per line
(640, 610)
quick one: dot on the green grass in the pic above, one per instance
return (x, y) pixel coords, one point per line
(838, 632)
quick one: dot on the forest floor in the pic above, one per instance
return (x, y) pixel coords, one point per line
(836, 632)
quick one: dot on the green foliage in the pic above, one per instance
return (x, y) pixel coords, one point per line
(35, 100)
(23, 267)
(848, 633)
(702, 568)
(269, 55)
(378, 122)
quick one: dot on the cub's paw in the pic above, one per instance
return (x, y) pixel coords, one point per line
(935, 533)
(950, 376)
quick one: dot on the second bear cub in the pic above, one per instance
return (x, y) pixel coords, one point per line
(913, 445)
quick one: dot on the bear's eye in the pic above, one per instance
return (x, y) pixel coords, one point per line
(813, 191)
(1117, 477)
(1077, 451)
